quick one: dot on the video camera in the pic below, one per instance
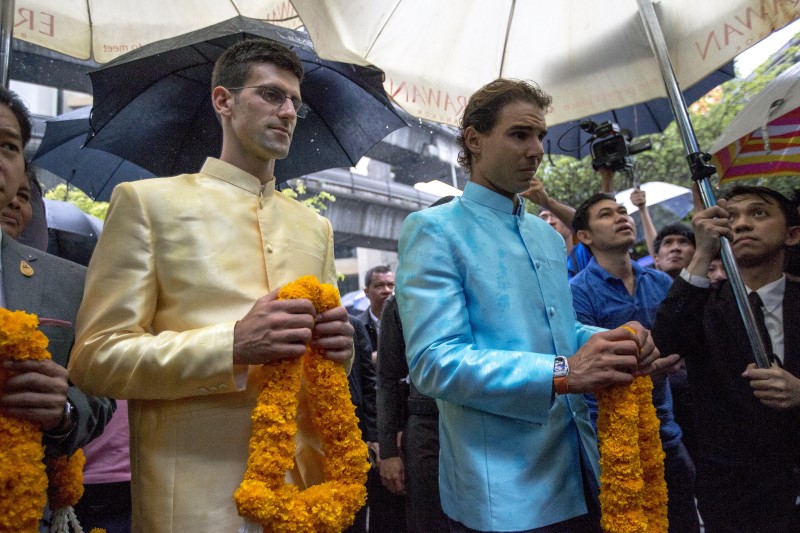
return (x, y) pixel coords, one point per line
(611, 146)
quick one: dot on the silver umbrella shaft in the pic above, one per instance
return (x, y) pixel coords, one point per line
(701, 171)
(6, 30)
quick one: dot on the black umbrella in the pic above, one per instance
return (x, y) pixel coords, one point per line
(153, 104)
(652, 116)
(95, 172)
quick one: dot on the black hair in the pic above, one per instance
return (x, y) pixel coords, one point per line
(765, 193)
(233, 66)
(380, 269)
(581, 219)
(677, 228)
(12, 101)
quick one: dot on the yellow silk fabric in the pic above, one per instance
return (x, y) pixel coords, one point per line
(179, 261)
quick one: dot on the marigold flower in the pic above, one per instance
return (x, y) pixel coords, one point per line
(633, 493)
(263, 496)
(24, 484)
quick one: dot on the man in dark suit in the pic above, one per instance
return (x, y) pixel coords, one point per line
(52, 288)
(746, 419)
(403, 413)
(362, 393)
(387, 510)
(378, 287)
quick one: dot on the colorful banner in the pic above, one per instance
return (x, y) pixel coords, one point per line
(750, 157)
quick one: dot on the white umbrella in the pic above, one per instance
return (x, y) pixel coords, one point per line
(104, 29)
(590, 55)
(658, 192)
(666, 203)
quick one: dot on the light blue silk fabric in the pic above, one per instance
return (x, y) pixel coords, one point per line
(486, 307)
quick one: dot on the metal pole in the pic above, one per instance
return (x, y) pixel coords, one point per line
(701, 171)
(6, 30)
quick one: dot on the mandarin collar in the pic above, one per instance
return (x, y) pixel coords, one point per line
(237, 177)
(497, 202)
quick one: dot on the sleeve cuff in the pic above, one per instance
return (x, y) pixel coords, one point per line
(698, 281)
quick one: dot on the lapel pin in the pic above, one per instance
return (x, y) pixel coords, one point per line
(25, 268)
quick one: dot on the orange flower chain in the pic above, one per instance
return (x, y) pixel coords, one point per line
(26, 483)
(264, 497)
(633, 493)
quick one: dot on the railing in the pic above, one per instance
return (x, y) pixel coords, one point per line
(344, 183)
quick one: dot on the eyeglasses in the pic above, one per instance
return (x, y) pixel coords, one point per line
(277, 98)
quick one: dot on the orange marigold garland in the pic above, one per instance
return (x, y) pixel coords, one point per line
(65, 475)
(633, 494)
(654, 496)
(25, 482)
(264, 497)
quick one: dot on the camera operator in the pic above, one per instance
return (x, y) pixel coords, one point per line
(612, 149)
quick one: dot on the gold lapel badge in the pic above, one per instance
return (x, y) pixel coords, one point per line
(25, 268)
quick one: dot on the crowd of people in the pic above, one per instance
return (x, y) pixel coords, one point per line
(473, 379)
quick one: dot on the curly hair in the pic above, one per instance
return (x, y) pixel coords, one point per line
(484, 107)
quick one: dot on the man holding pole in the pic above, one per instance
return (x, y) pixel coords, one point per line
(746, 418)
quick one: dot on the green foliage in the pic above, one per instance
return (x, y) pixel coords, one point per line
(572, 181)
(318, 202)
(78, 198)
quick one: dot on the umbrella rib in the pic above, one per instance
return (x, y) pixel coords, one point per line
(110, 176)
(508, 32)
(380, 31)
(233, 5)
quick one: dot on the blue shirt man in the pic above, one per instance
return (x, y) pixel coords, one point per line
(602, 300)
(612, 290)
(485, 307)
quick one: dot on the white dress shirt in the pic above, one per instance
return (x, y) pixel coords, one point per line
(771, 295)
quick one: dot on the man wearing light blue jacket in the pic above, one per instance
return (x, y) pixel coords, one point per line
(491, 334)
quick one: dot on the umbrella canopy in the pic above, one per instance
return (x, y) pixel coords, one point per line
(652, 116)
(95, 172)
(64, 216)
(105, 30)
(591, 56)
(764, 137)
(666, 203)
(72, 234)
(153, 105)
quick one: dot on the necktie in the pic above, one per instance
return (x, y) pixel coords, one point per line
(756, 304)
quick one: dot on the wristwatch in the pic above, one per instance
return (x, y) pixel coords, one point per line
(560, 373)
(67, 423)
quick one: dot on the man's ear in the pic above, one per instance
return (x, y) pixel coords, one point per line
(792, 236)
(221, 99)
(473, 140)
(585, 236)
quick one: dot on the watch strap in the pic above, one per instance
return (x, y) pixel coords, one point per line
(560, 385)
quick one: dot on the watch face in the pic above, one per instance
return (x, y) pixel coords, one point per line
(560, 367)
